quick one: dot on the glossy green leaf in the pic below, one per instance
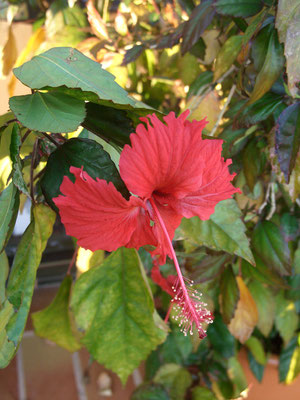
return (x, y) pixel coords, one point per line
(114, 310)
(268, 242)
(227, 55)
(256, 348)
(65, 66)
(238, 8)
(175, 378)
(223, 231)
(253, 26)
(286, 319)
(108, 124)
(4, 270)
(48, 112)
(260, 45)
(17, 175)
(150, 391)
(9, 206)
(287, 138)
(265, 302)
(22, 278)
(79, 153)
(200, 19)
(220, 337)
(262, 108)
(229, 294)
(202, 393)
(271, 69)
(53, 322)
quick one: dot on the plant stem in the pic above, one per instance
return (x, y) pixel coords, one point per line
(73, 259)
(33, 156)
(25, 136)
(50, 138)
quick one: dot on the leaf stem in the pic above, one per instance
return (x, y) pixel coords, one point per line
(33, 157)
(25, 135)
(73, 259)
(50, 138)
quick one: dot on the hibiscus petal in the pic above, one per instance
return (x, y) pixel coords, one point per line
(98, 215)
(215, 186)
(164, 158)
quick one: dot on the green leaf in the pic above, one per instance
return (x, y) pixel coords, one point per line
(202, 393)
(150, 391)
(79, 153)
(262, 108)
(286, 358)
(177, 347)
(294, 368)
(227, 55)
(48, 112)
(287, 24)
(256, 368)
(287, 138)
(201, 81)
(271, 69)
(253, 26)
(175, 378)
(5, 160)
(238, 8)
(229, 294)
(223, 231)
(65, 66)
(9, 206)
(253, 165)
(4, 270)
(113, 307)
(200, 19)
(15, 144)
(269, 244)
(53, 322)
(256, 348)
(237, 375)
(220, 337)
(286, 319)
(108, 124)
(264, 300)
(22, 278)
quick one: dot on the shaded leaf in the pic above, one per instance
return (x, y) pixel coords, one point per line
(17, 175)
(114, 310)
(9, 206)
(238, 8)
(202, 393)
(223, 231)
(269, 244)
(253, 26)
(271, 69)
(176, 348)
(53, 322)
(22, 278)
(262, 108)
(246, 314)
(200, 19)
(79, 153)
(227, 55)
(287, 138)
(253, 165)
(4, 270)
(229, 294)
(286, 318)
(150, 391)
(265, 302)
(294, 369)
(201, 81)
(132, 54)
(48, 112)
(237, 375)
(175, 378)
(64, 66)
(256, 368)
(221, 339)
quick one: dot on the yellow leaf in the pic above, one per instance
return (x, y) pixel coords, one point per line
(86, 259)
(246, 314)
(32, 45)
(97, 24)
(208, 107)
(9, 53)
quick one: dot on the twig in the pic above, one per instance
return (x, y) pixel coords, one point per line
(72, 262)
(270, 190)
(25, 136)
(11, 120)
(220, 116)
(50, 138)
(33, 156)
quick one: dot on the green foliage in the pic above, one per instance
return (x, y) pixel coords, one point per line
(236, 61)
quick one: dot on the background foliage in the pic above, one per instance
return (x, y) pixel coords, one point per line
(236, 62)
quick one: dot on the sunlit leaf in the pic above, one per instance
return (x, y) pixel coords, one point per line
(246, 314)
(286, 318)
(9, 206)
(53, 322)
(9, 53)
(227, 55)
(256, 348)
(202, 393)
(223, 231)
(114, 310)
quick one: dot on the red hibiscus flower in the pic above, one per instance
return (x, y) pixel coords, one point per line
(173, 173)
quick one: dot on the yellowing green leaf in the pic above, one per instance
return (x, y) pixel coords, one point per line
(227, 55)
(246, 314)
(54, 322)
(9, 53)
(286, 319)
